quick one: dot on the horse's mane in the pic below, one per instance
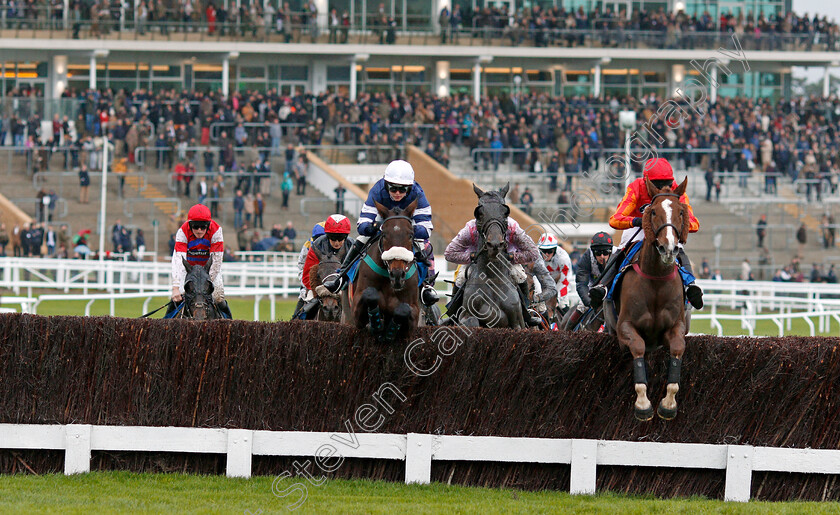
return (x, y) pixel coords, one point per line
(314, 279)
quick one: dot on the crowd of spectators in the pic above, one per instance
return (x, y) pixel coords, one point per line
(540, 26)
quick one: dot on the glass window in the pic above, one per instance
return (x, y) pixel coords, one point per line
(295, 73)
(167, 71)
(252, 72)
(338, 73)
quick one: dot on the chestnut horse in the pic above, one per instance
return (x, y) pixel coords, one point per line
(386, 292)
(651, 305)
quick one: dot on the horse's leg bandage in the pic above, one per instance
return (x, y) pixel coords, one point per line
(398, 253)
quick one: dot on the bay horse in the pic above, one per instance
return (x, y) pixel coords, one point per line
(386, 292)
(198, 293)
(334, 306)
(491, 298)
(651, 307)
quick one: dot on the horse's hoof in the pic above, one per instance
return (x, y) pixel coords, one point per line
(643, 415)
(666, 413)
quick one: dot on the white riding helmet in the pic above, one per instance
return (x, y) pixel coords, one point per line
(399, 172)
(547, 242)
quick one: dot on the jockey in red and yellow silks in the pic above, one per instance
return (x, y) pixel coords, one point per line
(628, 215)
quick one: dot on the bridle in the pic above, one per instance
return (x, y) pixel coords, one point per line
(386, 270)
(665, 225)
(484, 227)
(207, 300)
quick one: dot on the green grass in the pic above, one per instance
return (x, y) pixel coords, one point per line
(122, 492)
(243, 308)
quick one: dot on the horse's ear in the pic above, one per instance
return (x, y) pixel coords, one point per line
(681, 188)
(186, 263)
(409, 209)
(504, 190)
(651, 189)
(477, 191)
(209, 263)
(383, 211)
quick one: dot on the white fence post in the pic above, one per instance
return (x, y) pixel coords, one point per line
(240, 446)
(584, 462)
(418, 459)
(739, 465)
(77, 449)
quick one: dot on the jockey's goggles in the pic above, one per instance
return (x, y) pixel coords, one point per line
(336, 236)
(548, 251)
(601, 252)
(398, 188)
(199, 225)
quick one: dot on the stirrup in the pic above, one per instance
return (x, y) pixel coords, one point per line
(428, 295)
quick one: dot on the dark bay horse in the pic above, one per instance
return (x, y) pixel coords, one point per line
(491, 298)
(334, 306)
(386, 292)
(198, 293)
(651, 305)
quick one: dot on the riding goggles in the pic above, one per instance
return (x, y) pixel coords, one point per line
(398, 188)
(601, 252)
(548, 252)
(336, 236)
(199, 225)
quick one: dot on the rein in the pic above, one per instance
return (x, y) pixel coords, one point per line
(379, 269)
(485, 226)
(638, 270)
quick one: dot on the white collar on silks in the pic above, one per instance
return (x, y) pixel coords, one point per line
(398, 253)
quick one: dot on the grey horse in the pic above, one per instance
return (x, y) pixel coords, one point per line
(491, 298)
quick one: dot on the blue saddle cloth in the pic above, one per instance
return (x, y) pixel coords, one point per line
(687, 278)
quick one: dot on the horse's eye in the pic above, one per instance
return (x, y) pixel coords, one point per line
(188, 287)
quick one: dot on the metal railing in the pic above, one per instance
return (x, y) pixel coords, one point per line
(54, 212)
(419, 32)
(129, 203)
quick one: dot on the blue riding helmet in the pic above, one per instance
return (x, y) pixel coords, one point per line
(318, 230)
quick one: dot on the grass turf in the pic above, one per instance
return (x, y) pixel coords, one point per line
(121, 492)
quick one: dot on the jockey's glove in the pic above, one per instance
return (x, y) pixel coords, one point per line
(637, 222)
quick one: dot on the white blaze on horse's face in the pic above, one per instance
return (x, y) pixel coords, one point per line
(670, 232)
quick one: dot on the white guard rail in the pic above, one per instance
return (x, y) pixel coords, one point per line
(418, 451)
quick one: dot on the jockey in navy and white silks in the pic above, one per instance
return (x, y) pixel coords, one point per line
(396, 189)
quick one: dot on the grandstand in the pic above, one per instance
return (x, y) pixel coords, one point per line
(495, 92)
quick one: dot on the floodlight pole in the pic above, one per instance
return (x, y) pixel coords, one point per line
(102, 199)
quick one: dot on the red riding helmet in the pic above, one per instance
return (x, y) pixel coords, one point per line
(337, 224)
(659, 169)
(199, 213)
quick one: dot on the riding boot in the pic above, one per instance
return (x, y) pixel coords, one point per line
(334, 285)
(598, 292)
(297, 308)
(530, 320)
(455, 301)
(428, 294)
(310, 309)
(574, 318)
(692, 292)
(224, 309)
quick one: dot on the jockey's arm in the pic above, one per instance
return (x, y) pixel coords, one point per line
(460, 248)
(582, 277)
(527, 251)
(694, 223)
(217, 252)
(549, 287)
(179, 273)
(311, 260)
(623, 217)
